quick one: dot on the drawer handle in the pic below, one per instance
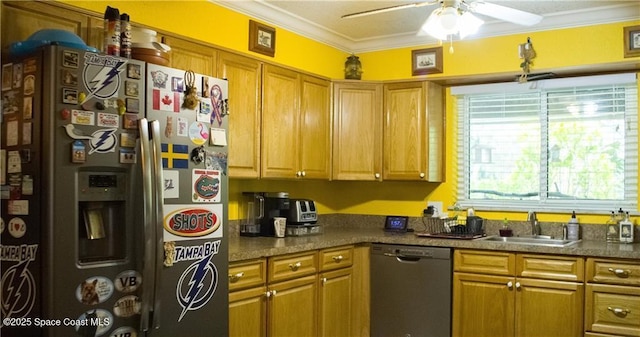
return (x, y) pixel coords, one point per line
(236, 277)
(619, 311)
(338, 258)
(295, 266)
(620, 272)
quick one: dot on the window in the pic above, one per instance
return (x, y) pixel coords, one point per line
(562, 144)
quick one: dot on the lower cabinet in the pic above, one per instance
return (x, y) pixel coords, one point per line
(509, 294)
(304, 294)
(612, 298)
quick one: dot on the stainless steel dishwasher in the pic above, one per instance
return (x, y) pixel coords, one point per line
(410, 291)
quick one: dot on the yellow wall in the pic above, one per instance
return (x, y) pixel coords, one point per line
(205, 21)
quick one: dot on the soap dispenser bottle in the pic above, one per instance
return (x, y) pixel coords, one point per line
(613, 230)
(573, 229)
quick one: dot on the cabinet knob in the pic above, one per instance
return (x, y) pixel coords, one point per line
(268, 294)
(619, 311)
(337, 258)
(236, 277)
(377, 175)
(295, 266)
(324, 280)
(510, 285)
(273, 293)
(303, 173)
(620, 272)
(518, 286)
(422, 175)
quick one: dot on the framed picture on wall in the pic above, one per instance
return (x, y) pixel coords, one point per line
(426, 61)
(262, 38)
(632, 41)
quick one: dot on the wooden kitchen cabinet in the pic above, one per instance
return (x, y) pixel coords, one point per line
(508, 294)
(245, 80)
(248, 298)
(335, 292)
(612, 298)
(295, 125)
(413, 131)
(357, 130)
(190, 55)
(20, 19)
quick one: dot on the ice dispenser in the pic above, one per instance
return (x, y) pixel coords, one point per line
(102, 220)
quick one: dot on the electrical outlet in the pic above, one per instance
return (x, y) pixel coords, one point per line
(437, 205)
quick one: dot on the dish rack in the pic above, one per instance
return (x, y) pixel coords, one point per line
(449, 228)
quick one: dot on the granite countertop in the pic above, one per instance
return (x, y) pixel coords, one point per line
(245, 248)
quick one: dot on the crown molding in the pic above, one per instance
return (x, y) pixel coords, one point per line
(269, 14)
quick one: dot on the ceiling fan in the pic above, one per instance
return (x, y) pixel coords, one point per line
(455, 16)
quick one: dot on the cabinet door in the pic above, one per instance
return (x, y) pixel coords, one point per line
(405, 131)
(293, 308)
(436, 127)
(20, 19)
(549, 308)
(280, 105)
(244, 75)
(315, 128)
(187, 55)
(357, 131)
(248, 313)
(483, 305)
(335, 303)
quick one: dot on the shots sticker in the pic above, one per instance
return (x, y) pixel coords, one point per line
(94, 290)
(187, 222)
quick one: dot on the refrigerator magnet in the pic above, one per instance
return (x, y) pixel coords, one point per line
(29, 85)
(127, 281)
(171, 184)
(128, 139)
(198, 133)
(133, 71)
(69, 77)
(7, 76)
(127, 156)
(133, 105)
(131, 88)
(78, 152)
(206, 185)
(130, 121)
(94, 290)
(218, 137)
(17, 227)
(216, 161)
(69, 96)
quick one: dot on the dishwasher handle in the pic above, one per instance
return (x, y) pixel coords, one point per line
(405, 258)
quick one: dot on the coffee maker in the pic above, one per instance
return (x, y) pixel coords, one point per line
(258, 209)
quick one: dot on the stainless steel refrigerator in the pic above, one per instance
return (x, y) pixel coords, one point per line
(113, 199)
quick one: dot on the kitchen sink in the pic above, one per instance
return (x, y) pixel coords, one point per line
(540, 240)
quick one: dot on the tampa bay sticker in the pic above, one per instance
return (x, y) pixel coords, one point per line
(206, 185)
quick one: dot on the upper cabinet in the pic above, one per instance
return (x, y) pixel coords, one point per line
(193, 56)
(20, 19)
(357, 130)
(413, 131)
(244, 75)
(295, 125)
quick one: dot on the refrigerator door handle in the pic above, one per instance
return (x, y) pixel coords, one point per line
(148, 271)
(158, 200)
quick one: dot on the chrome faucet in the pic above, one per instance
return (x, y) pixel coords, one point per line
(533, 220)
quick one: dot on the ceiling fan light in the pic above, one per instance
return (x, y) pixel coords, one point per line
(469, 24)
(432, 26)
(449, 18)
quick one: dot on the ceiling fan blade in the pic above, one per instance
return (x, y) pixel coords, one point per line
(505, 13)
(388, 9)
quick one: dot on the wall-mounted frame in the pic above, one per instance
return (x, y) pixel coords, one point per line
(262, 38)
(632, 41)
(426, 61)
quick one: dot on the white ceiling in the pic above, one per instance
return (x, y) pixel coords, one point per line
(321, 20)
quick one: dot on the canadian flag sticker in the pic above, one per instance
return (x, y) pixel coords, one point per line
(165, 100)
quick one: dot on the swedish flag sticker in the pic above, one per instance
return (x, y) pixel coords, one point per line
(175, 156)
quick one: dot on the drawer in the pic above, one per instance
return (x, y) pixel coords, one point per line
(484, 262)
(335, 258)
(612, 309)
(290, 266)
(623, 272)
(562, 268)
(247, 274)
